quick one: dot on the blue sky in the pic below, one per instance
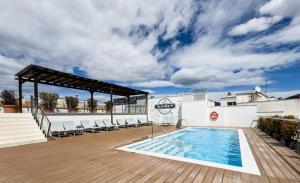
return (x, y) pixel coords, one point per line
(173, 47)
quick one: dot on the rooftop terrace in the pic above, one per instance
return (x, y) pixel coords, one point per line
(93, 158)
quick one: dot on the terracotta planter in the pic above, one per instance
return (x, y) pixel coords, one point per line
(298, 147)
(48, 110)
(10, 108)
(72, 110)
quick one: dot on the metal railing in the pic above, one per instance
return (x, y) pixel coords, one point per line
(41, 119)
(164, 130)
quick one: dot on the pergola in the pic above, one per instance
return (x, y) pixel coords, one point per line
(37, 74)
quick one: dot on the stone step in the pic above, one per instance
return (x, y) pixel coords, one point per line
(18, 137)
(19, 123)
(16, 132)
(17, 128)
(15, 114)
(15, 119)
(22, 142)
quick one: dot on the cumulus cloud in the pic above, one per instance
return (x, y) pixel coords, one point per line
(101, 37)
(286, 8)
(213, 62)
(8, 68)
(200, 78)
(254, 25)
(154, 83)
(118, 41)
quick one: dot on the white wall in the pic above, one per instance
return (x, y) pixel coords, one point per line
(77, 118)
(243, 98)
(279, 107)
(194, 113)
(238, 116)
(197, 113)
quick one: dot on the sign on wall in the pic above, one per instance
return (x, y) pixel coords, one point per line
(164, 106)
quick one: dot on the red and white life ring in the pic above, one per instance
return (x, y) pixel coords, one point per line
(214, 115)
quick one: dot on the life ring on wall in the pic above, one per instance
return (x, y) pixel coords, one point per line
(214, 115)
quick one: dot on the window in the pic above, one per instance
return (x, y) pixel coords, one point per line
(231, 103)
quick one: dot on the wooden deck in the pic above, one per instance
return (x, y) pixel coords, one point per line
(93, 158)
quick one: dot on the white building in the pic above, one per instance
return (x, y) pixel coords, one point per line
(241, 98)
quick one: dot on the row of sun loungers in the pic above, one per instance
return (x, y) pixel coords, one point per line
(65, 128)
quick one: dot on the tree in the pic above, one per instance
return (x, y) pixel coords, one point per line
(8, 97)
(72, 103)
(48, 101)
(90, 104)
(108, 105)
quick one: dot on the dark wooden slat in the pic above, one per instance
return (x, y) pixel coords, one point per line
(62, 79)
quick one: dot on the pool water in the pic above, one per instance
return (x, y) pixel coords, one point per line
(206, 144)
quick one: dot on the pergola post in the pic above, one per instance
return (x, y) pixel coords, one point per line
(36, 93)
(20, 94)
(146, 105)
(92, 100)
(111, 107)
(128, 103)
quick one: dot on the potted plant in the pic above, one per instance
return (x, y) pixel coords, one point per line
(9, 101)
(262, 123)
(92, 105)
(72, 103)
(288, 132)
(108, 106)
(276, 126)
(48, 101)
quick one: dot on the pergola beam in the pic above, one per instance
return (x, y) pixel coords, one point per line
(58, 78)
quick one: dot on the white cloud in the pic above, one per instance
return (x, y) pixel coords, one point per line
(94, 35)
(114, 40)
(286, 8)
(150, 91)
(154, 83)
(254, 25)
(8, 68)
(201, 78)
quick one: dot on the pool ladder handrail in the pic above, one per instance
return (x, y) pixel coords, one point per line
(166, 131)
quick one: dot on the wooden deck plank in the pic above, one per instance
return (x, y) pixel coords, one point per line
(169, 173)
(201, 174)
(193, 174)
(210, 175)
(219, 176)
(93, 158)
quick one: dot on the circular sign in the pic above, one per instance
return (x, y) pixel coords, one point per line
(214, 115)
(164, 106)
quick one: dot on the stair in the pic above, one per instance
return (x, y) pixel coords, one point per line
(19, 129)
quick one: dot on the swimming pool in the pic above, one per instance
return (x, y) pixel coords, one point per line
(217, 147)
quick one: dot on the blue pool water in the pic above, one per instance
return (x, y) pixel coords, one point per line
(206, 144)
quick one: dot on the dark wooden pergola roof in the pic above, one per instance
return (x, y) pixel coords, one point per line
(61, 79)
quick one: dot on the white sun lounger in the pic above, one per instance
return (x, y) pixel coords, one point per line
(58, 129)
(89, 126)
(167, 121)
(72, 128)
(108, 124)
(131, 122)
(104, 124)
(143, 121)
(121, 122)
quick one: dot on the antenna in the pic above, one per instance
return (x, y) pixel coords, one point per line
(266, 86)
